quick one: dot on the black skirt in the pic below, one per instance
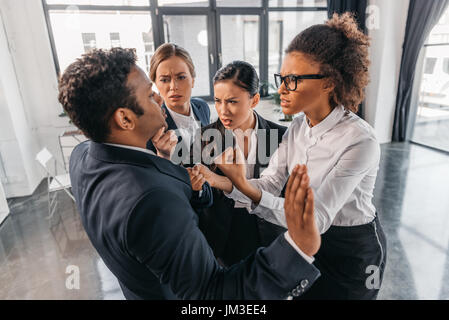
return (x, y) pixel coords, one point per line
(352, 263)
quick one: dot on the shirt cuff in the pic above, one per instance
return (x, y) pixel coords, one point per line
(293, 244)
(232, 194)
(266, 201)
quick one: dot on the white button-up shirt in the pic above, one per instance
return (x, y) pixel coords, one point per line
(187, 125)
(250, 161)
(342, 157)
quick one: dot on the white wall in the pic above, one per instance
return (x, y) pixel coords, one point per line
(385, 53)
(29, 107)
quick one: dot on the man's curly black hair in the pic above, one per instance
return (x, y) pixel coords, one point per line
(94, 87)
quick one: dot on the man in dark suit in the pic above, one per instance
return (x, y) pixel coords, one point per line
(135, 205)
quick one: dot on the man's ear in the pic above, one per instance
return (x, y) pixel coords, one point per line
(256, 100)
(193, 83)
(124, 119)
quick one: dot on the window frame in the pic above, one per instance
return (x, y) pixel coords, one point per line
(213, 14)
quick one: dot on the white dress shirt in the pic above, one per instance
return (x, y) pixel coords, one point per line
(342, 157)
(187, 125)
(250, 163)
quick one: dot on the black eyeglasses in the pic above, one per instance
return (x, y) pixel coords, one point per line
(291, 80)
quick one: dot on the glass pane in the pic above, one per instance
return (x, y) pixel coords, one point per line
(240, 39)
(195, 41)
(297, 3)
(239, 3)
(283, 27)
(102, 2)
(183, 3)
(432, 119)
(78, 32)
(440, 33)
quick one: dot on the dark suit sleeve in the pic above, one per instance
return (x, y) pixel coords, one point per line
(206, 199)
(162, 234)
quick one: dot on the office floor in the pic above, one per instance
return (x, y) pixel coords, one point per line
(411, 197)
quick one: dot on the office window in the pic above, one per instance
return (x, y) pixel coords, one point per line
(195, 41)
(183, 3)
(283, 27)
(93, 29)
(115, 39)
(89, 41)
(148, 43)
(240, 39)
(431, 125)
(102, 2)
(239, 3)
(297, 3)
(430, 65)
(75, 30)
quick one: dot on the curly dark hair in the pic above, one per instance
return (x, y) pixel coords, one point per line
(94, 86)
(341, 50)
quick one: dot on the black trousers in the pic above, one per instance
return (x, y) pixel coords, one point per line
(352, 263)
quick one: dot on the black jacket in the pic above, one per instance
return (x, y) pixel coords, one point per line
(135, 209)
(232, 232)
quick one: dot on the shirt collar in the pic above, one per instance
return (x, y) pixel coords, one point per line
(131, 148)
(176, 115)
(328, 123)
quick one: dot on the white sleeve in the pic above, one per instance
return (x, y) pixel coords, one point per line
(271, 183)
(334, 191)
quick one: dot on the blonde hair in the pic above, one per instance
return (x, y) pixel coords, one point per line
(166, 51)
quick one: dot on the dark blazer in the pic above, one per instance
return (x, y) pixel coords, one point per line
(232, 232)
(135, 209)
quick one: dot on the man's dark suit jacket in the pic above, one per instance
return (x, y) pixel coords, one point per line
(135, 209)
(232, 232)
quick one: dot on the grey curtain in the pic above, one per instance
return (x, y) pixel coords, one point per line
(422, 17)
(358, 7)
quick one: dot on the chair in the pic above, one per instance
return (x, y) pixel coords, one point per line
(55, 182)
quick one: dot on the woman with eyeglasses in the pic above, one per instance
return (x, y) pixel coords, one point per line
(323, 76)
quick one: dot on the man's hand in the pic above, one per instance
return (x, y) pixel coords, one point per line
(299, 212)
(196, 178)
(165, 143)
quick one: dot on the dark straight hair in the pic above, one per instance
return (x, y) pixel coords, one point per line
(242, 73)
